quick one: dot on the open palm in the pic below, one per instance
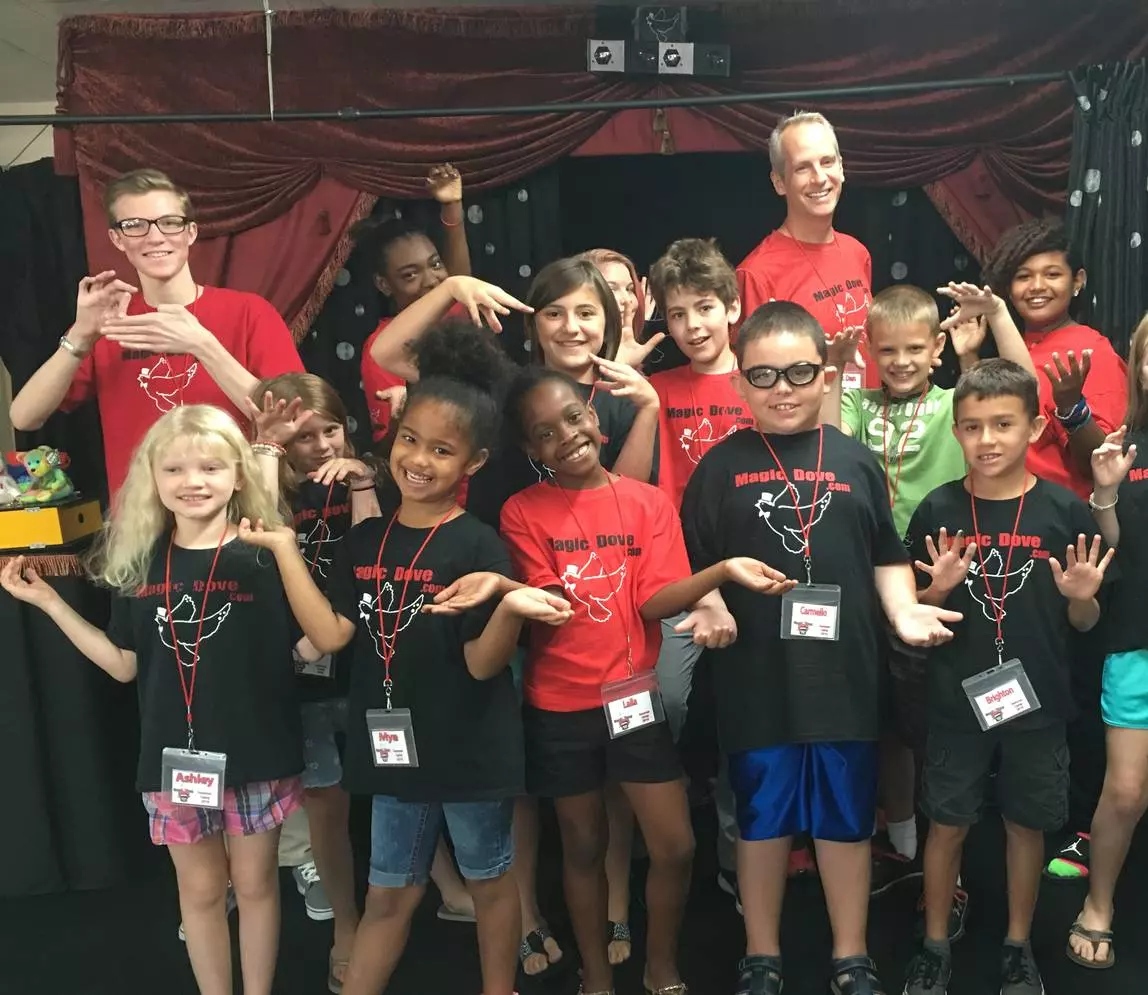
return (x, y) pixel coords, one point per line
(1083, 571)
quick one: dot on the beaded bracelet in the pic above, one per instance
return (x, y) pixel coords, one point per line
(1102, 507)
(268, 449)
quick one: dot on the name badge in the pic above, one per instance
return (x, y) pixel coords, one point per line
(323, 667)
(392, 737)
(851, 380)
(1001, 694)
(811, 611)
(194, 778)
(632, 703)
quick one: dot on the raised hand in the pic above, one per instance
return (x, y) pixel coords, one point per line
(948, 563)
(21, 581)
(711, 627)
(341, 469)
(623, 380)
(1110, 463)
(1068, 382)
(971, 302)
(844, 347)
(445, 183)
(277, 421)
(274, 539)
(631, 352)
(538, 606)
(924, 625)
(467, 592)
(171, 328)
(99, 299)
(1083, 571)
(650, 305)
(758, 576)
(484, 301)
(395, 396)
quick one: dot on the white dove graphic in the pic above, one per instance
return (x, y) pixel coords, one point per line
(163, 385)
(994, 573)
(395, 619)
(313, 545)
(185, 621)
(595, 588)
(791, 535)
(695, 441)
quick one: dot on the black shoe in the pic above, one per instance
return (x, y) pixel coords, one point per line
(889, 869)
(759, 975)
(855, 976)
(1019, 975)
(928, 973)
(727, 881)
(957, 913)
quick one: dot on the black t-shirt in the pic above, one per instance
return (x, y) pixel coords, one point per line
(509, 470)
(468, 732)
(321, 516)
(244, 702)
(1127, 622)
(769, 690)
(1035, 625)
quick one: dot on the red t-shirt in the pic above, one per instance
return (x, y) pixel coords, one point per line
(134, 388)
(696, 411)
(606, 572)
(1105, 389)
(832, 282)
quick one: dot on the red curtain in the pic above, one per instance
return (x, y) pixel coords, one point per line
(301, 177)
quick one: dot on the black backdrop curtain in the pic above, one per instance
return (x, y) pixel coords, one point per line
(1107, 213)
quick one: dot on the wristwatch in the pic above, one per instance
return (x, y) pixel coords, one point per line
(70, 347)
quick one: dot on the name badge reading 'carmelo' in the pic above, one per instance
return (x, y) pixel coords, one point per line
(811, 611)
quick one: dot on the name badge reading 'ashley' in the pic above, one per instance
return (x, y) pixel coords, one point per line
(193, 778)
(392, 737)
(811, 611)
(1000, 694)
(632, 703)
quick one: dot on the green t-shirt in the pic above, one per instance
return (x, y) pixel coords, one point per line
(917, 434)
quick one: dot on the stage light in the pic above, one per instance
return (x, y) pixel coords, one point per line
(606, 55)
(711, 59)
(672, 58)
(675, 58)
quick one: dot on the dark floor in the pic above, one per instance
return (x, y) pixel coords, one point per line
(123, 941)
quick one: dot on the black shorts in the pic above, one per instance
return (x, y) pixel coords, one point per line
(906, 701)
(571, 753)
(1031, 782)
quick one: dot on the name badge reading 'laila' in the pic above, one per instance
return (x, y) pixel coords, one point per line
(811, 611)
(194, 778)
(632, 703)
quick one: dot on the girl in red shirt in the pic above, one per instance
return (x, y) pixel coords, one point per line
(613, 547)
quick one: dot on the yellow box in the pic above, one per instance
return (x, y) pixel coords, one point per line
(55, 525)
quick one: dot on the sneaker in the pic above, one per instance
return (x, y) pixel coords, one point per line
(1071, 861)
(1019, 975)
(727, 881)
(928, 973)
(314, 895)
(957, 913)
(889, 869)
(231, 906)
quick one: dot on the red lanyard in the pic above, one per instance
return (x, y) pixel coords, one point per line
(323, 518)
(715, 438)
(602, 566)
(997, 606)
(805, 526)
(892, 493)
(817, 273)
(387, 646)
(188, 685)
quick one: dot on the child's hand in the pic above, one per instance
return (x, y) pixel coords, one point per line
(342, 469)
(538, 606)
(923, 625)
(277, 421)
(305, 650)
(1068, 384)
(1084, 570)
(395, 396)
(445, 183)
(949, 562)
(713, 628)
(650, 305)
(971, 302)
(631, 352)
(24, 584)
(469, 591)
(282, 537)
(622, 380)
(757, 576)
(1110, 463)
(844, 348)
(484, 301)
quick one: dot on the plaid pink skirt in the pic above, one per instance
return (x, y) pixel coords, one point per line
(247, 810)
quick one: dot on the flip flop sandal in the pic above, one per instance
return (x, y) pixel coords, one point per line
(760, 974)
(447, 914)
(534, 942)
(334, 985)
(619, 932)
(678, 989)
(1095, 937)
(859, 974)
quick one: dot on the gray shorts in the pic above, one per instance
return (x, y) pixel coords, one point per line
(322, 766)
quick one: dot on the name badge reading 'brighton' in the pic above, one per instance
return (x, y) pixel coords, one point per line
(193, 778)
(632, 703)
(392, 737)
(1000, 694)
(811, 611)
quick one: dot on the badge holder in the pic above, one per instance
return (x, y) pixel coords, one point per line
(811, 611)
(194, 778)
(632, 703)
(323, 667)
(392, 734)
(1000, 694)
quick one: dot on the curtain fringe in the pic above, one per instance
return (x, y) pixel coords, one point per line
(310, 310)
(61, 565)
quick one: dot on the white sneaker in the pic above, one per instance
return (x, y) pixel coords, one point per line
(231, 904)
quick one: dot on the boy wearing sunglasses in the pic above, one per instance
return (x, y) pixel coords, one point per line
(142, 350)
(798, 694)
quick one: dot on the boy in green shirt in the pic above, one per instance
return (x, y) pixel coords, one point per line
(907, 425)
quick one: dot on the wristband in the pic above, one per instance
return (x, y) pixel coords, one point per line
(1076, 417)
(71, 348)
(1102, 507)
(369, 487)
(268, 449)
(448, 224)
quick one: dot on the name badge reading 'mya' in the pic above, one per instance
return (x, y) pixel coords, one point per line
(392, 737)
(194, 778)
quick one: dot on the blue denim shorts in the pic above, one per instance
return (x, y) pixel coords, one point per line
(322, 766)
(404, 836)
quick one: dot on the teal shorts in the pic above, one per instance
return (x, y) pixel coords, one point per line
(1124, 692)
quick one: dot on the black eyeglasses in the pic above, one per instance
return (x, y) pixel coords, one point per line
(169, 224)
(798, 375)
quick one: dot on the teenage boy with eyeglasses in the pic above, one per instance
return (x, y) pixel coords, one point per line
(142, 350)
(798, 695)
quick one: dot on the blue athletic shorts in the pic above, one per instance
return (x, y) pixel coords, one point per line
(826, 790)
(1124, 692)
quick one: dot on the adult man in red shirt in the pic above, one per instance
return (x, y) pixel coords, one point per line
(141, 351)
(805, 260)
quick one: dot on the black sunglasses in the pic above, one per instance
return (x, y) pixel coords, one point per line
(169, 224)
(798, 375)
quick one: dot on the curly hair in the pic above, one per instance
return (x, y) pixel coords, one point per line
(1032, 238)
(695, 264)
